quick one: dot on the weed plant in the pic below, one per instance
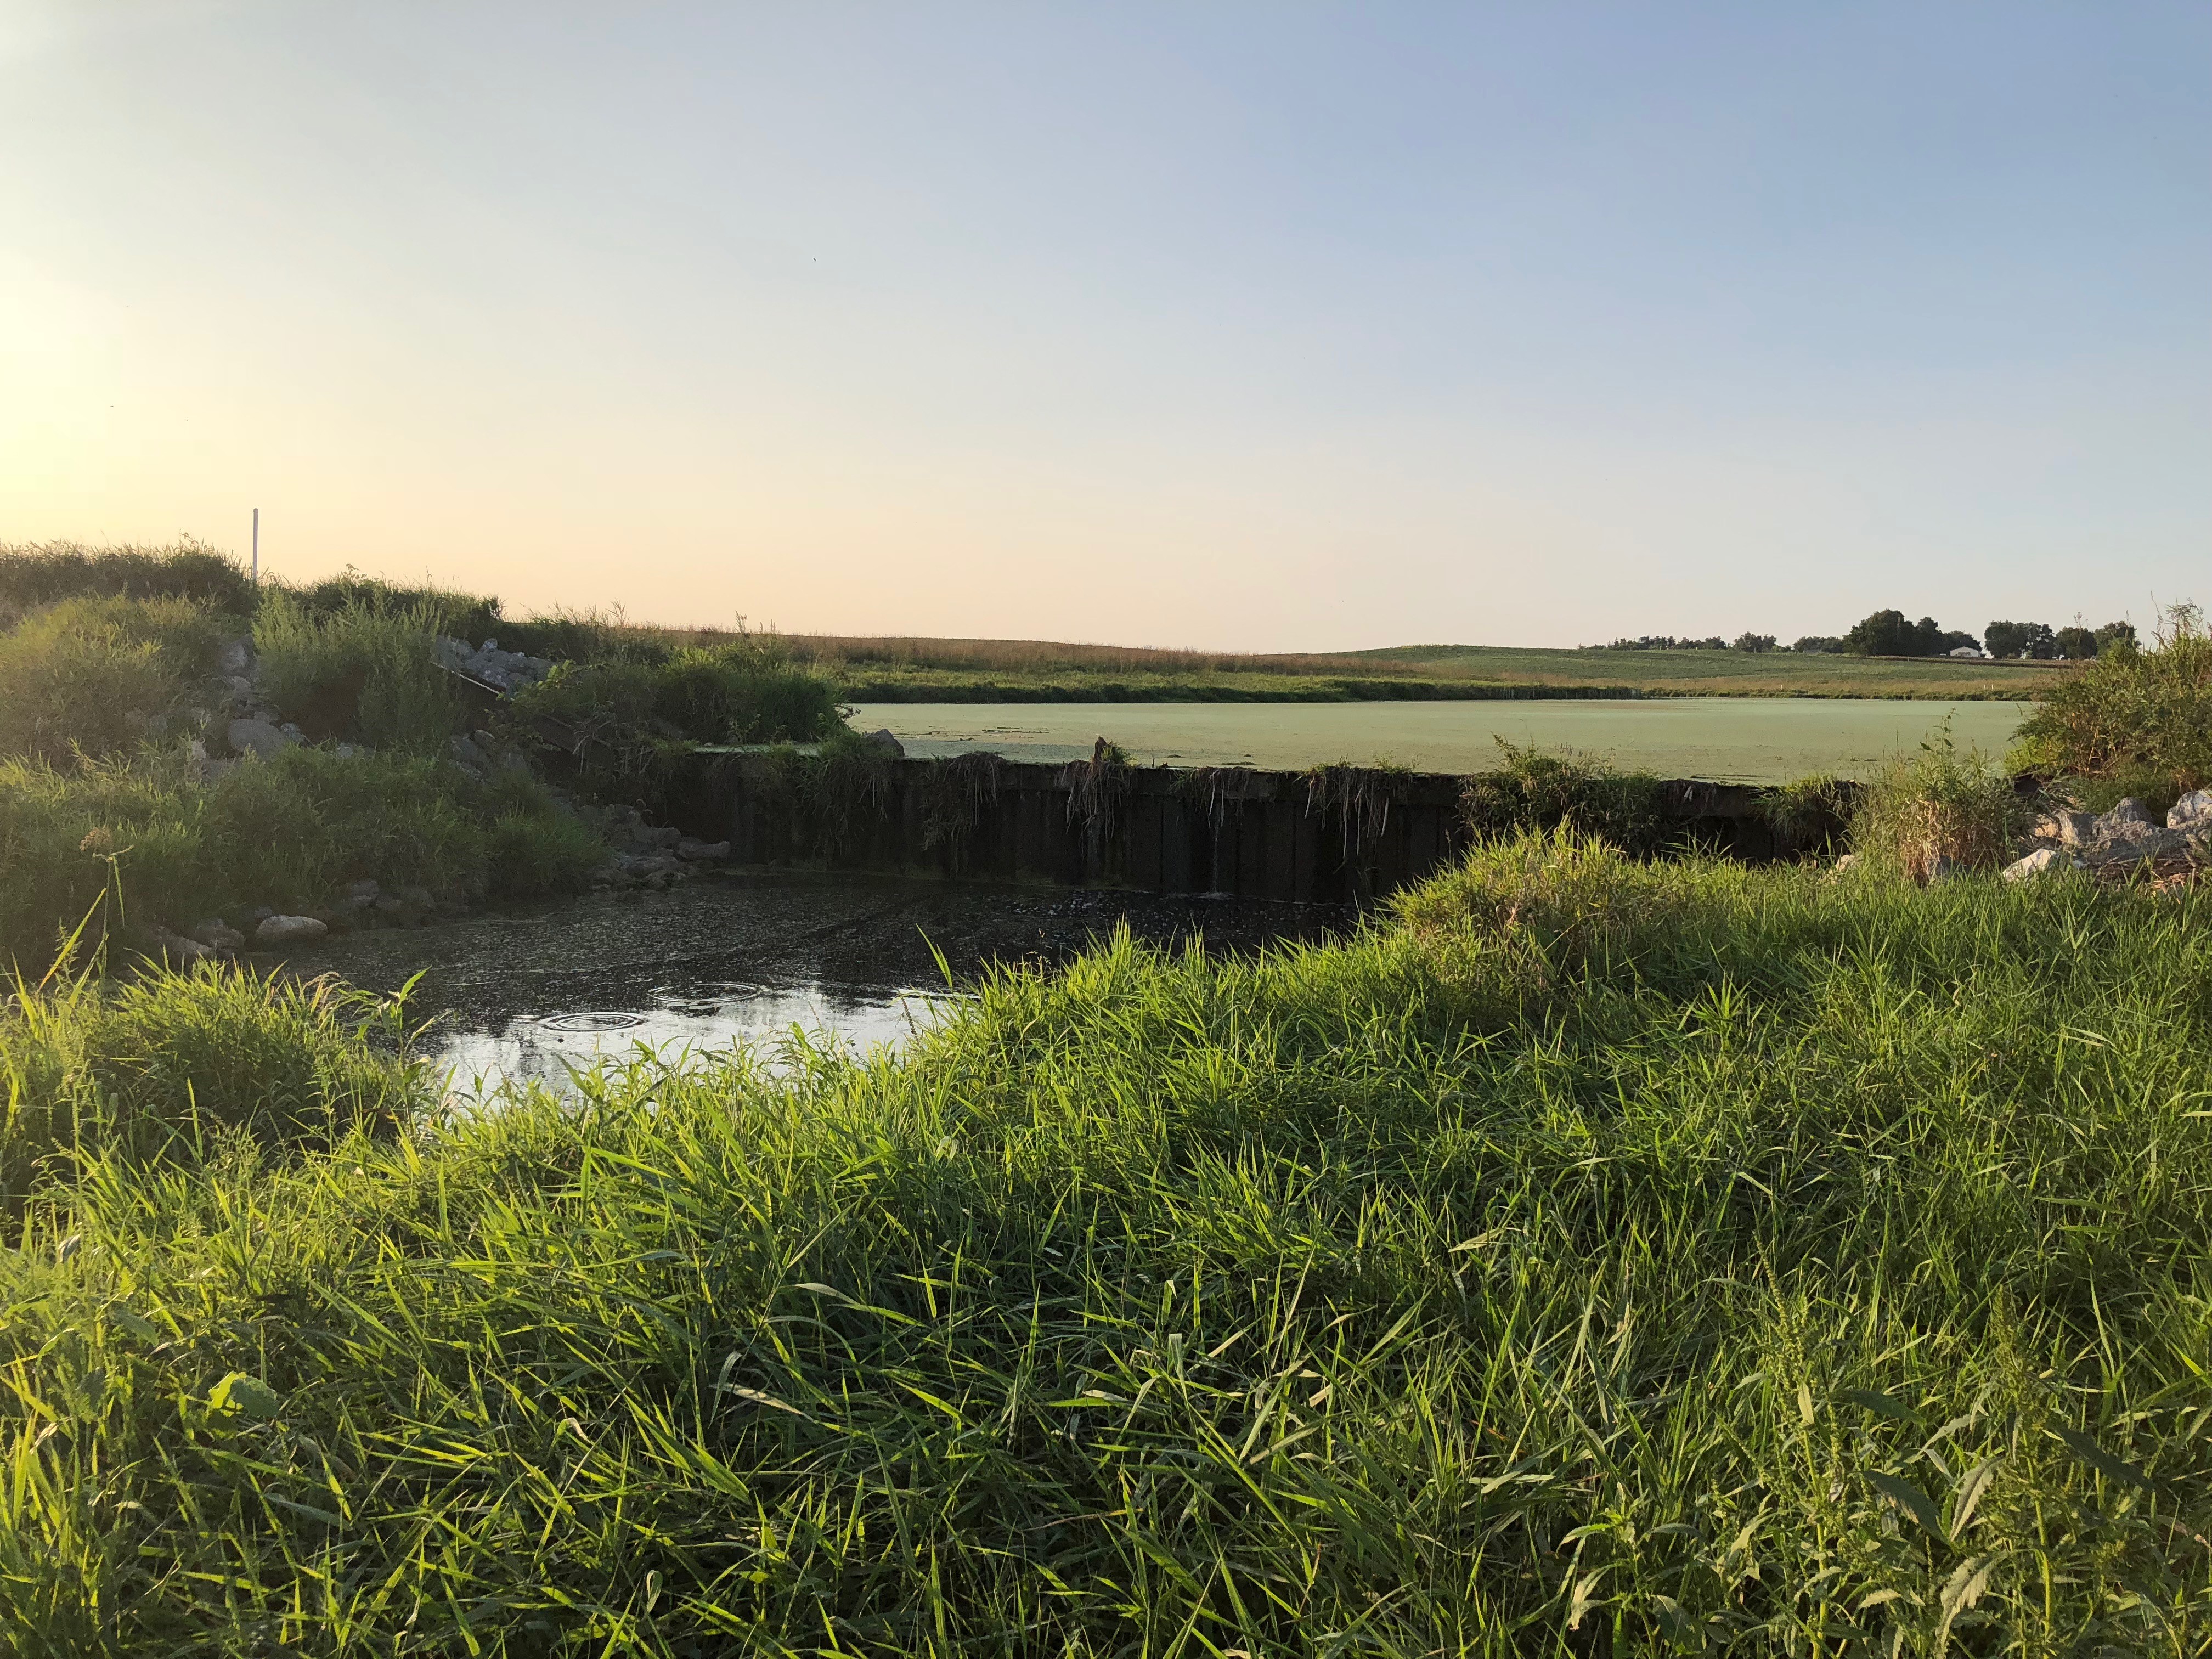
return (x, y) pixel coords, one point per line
(1532, 789)
(383, 654)
(2132, 722)
(176, 1067)
(98, 675)
(32, 574)
(1937, 808)
(1604, 1257)
(289, 833)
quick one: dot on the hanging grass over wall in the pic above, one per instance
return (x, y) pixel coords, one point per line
(1607, 1257)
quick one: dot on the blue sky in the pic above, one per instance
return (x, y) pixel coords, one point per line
(1276, 327)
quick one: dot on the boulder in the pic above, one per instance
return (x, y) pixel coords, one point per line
(180, 949)
(216, 934)
(2068, 829)
(702, 852)
(257, 737)
(882, 739)
(288, 930)
(2048, 858)
(2131, 842)
(237, 657)
(2193, 812)
(2130, 811)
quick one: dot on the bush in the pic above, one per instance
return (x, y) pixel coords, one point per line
(1937, 806)
(1532, 790)
(31, 575)
(2136, 720)
(95, 676)
(367, 669)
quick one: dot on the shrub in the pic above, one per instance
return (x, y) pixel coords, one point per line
(32, 574)
(1936, 806)
(1532, 790)
(369, 668)
(2138, 719)
(93, 676)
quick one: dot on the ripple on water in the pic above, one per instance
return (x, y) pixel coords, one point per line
(591, 1022)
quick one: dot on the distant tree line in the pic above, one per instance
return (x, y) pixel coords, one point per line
(1892, 634)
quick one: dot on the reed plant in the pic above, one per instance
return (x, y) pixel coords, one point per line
(1936, 810)
(1603, 1257)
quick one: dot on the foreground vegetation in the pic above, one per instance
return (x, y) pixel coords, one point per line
(1596, 1257)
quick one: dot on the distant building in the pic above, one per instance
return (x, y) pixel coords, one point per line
(1966, 651)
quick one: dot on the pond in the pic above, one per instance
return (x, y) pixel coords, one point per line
(523, 996)
(1730, 739)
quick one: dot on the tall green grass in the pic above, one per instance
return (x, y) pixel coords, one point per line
(1604, 1257)
(97, 675)
(32, 574)
(289, 833)
(190, 1067)
(1939, 808)
(383, 650)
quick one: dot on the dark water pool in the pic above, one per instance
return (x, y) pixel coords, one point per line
(748, 957)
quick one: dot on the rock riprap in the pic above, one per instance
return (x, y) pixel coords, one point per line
(2122, 841)
(505, 670)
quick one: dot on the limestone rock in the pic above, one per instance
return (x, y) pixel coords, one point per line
(288, 930)
(702, 852)
(2068, 829)
(2130, 811)
(882, 739)
(2049, 858)
(2131, 842)
(2193, 811)
(259, 736)
(216, 934)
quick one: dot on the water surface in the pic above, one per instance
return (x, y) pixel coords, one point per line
(749, 957)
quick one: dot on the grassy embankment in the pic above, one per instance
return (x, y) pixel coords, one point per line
(1026, 670)
(112, 705)
(1595, 1257)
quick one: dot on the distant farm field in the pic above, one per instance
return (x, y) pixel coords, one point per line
(1039, 671)
(1747, 740)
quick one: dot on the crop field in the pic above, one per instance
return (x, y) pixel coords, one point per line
(1752, 740)
(1006, 671)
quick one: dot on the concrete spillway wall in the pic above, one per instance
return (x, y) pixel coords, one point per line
(1339, 836)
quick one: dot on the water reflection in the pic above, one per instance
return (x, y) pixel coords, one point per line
(682, 1023)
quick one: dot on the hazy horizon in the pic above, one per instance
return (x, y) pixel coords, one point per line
(1253, 329)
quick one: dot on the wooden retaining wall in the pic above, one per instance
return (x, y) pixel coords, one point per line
(1163, 829)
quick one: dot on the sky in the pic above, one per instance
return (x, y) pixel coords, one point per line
(1274, 326)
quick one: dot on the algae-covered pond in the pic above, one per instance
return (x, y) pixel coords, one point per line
(1738, 739)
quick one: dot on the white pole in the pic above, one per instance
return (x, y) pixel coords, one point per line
(256, 547)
